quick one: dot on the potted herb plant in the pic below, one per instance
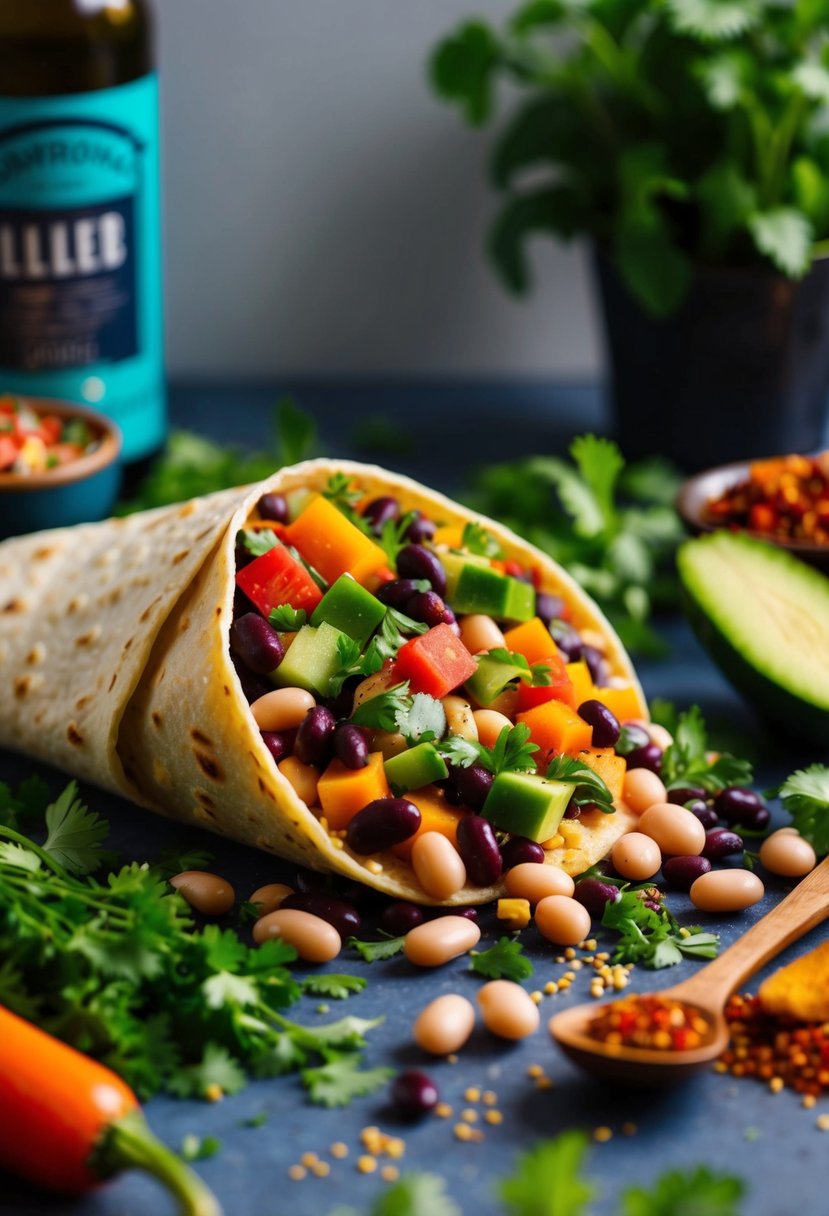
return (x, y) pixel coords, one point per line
(689, 139)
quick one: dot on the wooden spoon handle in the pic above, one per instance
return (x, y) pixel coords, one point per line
(806, 906)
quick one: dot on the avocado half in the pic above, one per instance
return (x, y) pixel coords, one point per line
(763, 616)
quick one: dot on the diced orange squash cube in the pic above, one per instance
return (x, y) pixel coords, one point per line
(555, 727)
(436, 816)
(625, 703)
(343, 792)
(449, 534)
(332, 544)
(610, 767)
(583, 687)
(531, 638)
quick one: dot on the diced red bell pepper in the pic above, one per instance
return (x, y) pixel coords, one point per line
(435, 662)
(560, 687)
(276, 578)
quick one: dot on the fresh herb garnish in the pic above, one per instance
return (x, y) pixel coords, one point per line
(700, 1191)
(413, 1195)
(424, 720)
(589, 788)
(381, 712)
(341, 491)
(373, 952)
(519, 668)
(336, 987)
(384, 645)
(257, 541)
(341, 1080)
(476, 539)
(505, 960)
(688, 761)
(199, 1148)
(512, 753)
(75, 834)
(650, 935)
(459, 751)
(393, 538)
(287, 619)
(805, 795)
(548, 1180)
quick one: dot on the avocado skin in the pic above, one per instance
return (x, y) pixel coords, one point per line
(794, 717)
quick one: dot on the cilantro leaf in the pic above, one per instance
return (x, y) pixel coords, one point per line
(341, 491)
(512, 753)
(536, 674)
(75, 834)
(548, 1179)
(650, 935)
(805, 795)
(425, 719)
(698, 1192)
(216, 1070)
(257, 541)
(688, 760)
(459, 751)
(393, 538)
(372, 952)
(337, 987)
(476, 539)
(416, 1195)
(505, 960)
(381, 712)
(29, 802)
(339, 1081)
(286, 619)
(589, 788)
(199, 1148)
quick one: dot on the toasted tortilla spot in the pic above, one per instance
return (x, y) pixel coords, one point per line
(90, 637)
(41, 554)
(227, 690)
(127, 644)
(146, 614)
(74, 735)
(78, 602)
(198, 737)
(205, 799)
(112, 681)
(180, 557)
(82, 701)
(22, 686)
(219, 610)
(209, 765)
(36, 655)
(156, 718)
(14, 606)
(202, 812)
(187, 509)
(185, 625)
(161, 774)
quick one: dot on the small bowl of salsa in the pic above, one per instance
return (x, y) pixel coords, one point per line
(60, 464)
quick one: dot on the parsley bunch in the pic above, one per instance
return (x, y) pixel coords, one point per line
(650, 934)
(689, 760)
(117, 968)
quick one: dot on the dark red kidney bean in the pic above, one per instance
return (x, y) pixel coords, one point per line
(315, 737)
(567, 640)
(345, 919)
(572, 812)
(413, 1094)
(451, 620)
(681, 872)
(421, 528)
(467, 913)
(631, 737)
(253, 686)
(649, 756)
(606, 728)
(548, 607)
(595, 895)
(397, 592)
(471, 784)
(280, 743)
(256, 643)
(274, 506)
(381, 824)
(479, 850)
(413, 561)
(704, 813)
(518, 849)
(597, 664)
(379, 511)
(425, 606)
(739, 805)
(350, 745)
(398, 918)
(343, 704)
(721, 842)
(687, 793)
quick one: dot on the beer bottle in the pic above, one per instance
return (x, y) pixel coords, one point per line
(80, 256)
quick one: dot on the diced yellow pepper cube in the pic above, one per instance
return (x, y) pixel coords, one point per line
(514, 912)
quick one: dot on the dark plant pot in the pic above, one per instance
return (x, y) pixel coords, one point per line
(742, 369)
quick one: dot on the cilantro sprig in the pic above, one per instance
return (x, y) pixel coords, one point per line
(589, 789)
(805, 795)
(505, 960)
(257, 541)
(374, 952)
(512, 751)
(477, 540)
(393, 631)
(287, 619)
(689, 761)
(650, 935)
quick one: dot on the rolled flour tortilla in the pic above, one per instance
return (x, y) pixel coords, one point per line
(115, 666)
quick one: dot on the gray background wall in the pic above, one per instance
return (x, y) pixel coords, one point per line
(325, 213)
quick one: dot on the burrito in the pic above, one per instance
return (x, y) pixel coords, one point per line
(330, 666)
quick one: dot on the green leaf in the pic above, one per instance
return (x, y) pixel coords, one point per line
(655, 271)
(296, 431)
(505, 960)
(340, 1081)
(530, 137)
(257, 541)
(286, 619)
(714, 20)
(381, 712)
(697, 1192)
(724, 77)
(459, 751)
(416, 1195)
(476, 539)
(805, 795)
(199, 1148)
(512, 753)
(686, 762)
(373, 952)
(588, 786)
(539, 13)
(336, 987)
(812, 78)
(558, 209)
(576, 496)
(424, 719)
(811, 192)
(785, 236)
(217, 1068)
(548, 1180)
(224, 989)
(462, 67)
(75, 834)
(600, 463)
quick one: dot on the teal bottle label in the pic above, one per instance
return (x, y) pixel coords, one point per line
(80, 255)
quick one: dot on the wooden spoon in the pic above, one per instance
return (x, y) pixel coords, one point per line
(707, 991)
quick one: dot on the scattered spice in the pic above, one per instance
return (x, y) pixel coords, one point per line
(786, 497)
(782, 1052)
(649, 1022)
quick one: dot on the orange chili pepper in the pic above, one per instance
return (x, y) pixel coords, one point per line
(68, 1123)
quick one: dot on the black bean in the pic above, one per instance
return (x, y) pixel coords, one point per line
(315, 737)
(413, 1094)
(606, 728)
(280, 743)
(471, 784)
(379, 511)
(595, 895)
(426, 606)
(381, 824)
(704, 813)
(548, 607)
(739, 805)
(518, 849)
(345, 919)
(479, 850)
(350, 745)
(421, 528)
(256, 643)
(414, 561)
(681, 872)
(397, 592)
(649, 756)
(721, 842)
(274, 506)
(398, 918)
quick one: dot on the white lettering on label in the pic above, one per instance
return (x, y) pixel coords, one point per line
(62, 250)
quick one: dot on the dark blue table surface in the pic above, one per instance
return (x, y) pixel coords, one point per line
(439, 433)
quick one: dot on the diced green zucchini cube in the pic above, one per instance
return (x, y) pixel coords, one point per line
(519, 603)
(527, 804)
(312, 659)
(349, 607)
(490, 679)
(416, 767)
(454, 565)
(472, 585)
